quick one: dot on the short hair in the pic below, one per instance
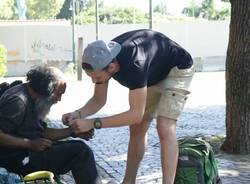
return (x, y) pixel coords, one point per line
(87, 67)
(43, 80)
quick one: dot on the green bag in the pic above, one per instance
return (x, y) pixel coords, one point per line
(196, 163)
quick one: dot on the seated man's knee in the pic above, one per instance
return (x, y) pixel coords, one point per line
(85, 152)
(80, 149)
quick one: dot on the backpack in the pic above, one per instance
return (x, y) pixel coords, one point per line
(196, 163)
(5, 86)
(9, 177)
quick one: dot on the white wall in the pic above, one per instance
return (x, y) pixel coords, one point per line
(41, 41)
(36, 40)
(201, 39)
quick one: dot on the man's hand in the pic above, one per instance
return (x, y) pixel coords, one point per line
(86, 135)
(39, 144)
(81, 125)
(66, 118)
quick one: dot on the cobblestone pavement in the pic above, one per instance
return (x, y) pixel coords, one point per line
(104, 177)
(204, 114)
(234, 169)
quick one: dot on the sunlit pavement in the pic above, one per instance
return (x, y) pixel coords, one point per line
(204, 114)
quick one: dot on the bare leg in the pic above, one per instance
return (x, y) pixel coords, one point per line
(136, 150)
(169, 148)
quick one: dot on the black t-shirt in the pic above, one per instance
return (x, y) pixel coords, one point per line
(147, 57)
(17, 117)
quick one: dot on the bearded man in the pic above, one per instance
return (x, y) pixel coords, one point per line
(27, 144)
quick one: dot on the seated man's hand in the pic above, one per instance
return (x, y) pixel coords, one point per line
(39, 144)
(86, 135)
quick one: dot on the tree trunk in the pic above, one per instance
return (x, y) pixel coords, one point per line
(238, 80)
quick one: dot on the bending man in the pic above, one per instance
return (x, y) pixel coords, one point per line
(157, 72)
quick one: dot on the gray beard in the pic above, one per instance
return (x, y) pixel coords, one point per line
(42, 108)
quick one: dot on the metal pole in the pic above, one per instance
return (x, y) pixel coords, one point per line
(97, 19)
(150, 15)
(73, 31)
(25, 42)
(79, 59)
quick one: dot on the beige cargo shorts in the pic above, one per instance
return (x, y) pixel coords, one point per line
(168, 97)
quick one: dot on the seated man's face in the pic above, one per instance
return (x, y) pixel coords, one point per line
(43, 105)
(57, 94)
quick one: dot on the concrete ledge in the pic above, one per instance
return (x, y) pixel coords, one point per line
(210, 64)
(201, 64)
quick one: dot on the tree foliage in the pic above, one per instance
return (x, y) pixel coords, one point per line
(118, 15)
(7, 9)
(65, 12)
(60, 9)
(161, 8)
(207, 10)
(45, 9)
(3, 60)
(107, 14)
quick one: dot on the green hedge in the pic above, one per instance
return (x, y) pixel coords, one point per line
(3, 60)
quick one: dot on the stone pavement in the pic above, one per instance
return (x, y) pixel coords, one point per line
(204, 114)
(234, 169)
(104, 177)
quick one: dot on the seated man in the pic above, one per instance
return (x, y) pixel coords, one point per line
(26, 144)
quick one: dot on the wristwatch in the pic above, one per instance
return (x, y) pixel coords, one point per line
(97, 123)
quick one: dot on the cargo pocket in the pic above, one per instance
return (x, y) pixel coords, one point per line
(172, 104)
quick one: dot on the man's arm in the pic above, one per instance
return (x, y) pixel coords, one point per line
(57, 134)
(10, 141)
(97, 101)
(7, 140)
(137, 103)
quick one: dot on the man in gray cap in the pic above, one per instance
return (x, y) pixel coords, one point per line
(157, 72)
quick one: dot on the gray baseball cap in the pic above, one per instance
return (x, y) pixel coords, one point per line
(99, 53)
